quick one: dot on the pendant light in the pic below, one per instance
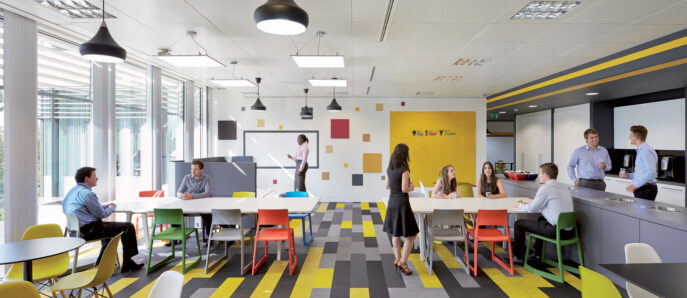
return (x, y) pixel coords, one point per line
(258, 106)
(281, 17)
(102, 47)
(306, 112)
(334, 106)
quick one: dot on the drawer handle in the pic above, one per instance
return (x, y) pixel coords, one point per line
(670, 188)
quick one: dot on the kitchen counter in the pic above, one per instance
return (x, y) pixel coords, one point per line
(657, 180)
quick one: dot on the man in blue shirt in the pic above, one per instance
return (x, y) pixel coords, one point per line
(83, 202)
(197, 185)
(644, 178)
(591, 161)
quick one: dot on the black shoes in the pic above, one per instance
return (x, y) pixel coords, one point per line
(131, 266)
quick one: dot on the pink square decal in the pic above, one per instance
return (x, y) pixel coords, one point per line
(340, 128)
(274, 181)
(403, 103)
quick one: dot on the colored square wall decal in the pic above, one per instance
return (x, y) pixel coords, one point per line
(383, 177)
(372, 162)
(243, 109)
(403, 103)
(357, 180)
(380, 107)
(345, 165)
(340, 128)
(329, 149)
(325, 175)
(366, 137)
(357, 109)
(261, 122)
(274, 181)
(281, 126)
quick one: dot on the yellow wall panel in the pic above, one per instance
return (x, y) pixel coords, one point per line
(436, 139)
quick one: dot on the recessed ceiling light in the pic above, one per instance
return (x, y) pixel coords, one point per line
(448, 78)
(532, 106)
(592, 93)
(328, 83)
(233, 83)
(471, 61)
(502, 112)
(318, 61)
(543, 10)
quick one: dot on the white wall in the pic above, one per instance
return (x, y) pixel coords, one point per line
(500, 148)
(226, 105)
(569, 125)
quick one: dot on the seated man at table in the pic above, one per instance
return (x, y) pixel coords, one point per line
(197, 185)
(83, 202)
(551, 200)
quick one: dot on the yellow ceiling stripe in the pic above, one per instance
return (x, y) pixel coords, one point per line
(597, 82)
(608, 64)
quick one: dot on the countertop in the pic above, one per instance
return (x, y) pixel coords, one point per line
(638, 209)
(657, 180)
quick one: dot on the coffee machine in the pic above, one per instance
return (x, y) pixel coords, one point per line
(667, 167)
(628, 163)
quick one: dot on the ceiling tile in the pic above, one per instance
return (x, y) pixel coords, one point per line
(511, 32)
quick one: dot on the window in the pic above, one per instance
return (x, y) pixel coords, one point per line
(132, 156)
(2, 142)
(173, 130)
(197, 126)
(64, 116)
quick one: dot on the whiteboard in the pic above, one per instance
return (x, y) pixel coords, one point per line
(270, 148)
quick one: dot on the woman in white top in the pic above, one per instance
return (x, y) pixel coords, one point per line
(446, 186)
(301, 159)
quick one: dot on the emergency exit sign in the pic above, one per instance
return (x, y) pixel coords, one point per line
(493, 116)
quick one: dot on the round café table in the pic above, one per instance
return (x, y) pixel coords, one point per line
(28, 250)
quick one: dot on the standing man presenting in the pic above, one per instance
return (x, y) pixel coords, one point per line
(197, 186)
(591, 161)
(644, 178)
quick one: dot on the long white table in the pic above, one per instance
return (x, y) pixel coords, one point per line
(423, 207)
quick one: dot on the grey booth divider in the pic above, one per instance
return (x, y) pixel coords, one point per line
(227, 177)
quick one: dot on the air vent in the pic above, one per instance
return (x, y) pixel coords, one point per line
(447, 78)
(368, 91)
(424, 93)
(387, 20)
(249, 93)
(80, 9)
(471, 61)
(372, 73)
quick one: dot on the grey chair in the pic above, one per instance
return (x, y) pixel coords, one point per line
(226, 217)
(73, 225)
(455, 231)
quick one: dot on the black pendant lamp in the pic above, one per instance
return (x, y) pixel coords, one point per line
(306, 112)
(281, 17)
(102, 47)
(258, 106)
(334, 106)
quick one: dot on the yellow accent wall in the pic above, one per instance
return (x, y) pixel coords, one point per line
(429, 153)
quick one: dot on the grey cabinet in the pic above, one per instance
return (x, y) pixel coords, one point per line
(670, 243)
(589, 223)
(616, 231)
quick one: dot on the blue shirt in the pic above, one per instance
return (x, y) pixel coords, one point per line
(587, 162)
(198, 188)
(645, 166)
(551, 199)
(83, 202)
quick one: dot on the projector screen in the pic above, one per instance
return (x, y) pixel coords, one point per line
(269, 148)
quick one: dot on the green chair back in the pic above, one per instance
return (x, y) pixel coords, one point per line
(169, 216)
(596, 285)
(465, 190)
(566, 220)
(243, 194)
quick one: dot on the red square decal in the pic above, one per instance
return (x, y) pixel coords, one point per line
(403, 103)
(274, 181)
(340, 128)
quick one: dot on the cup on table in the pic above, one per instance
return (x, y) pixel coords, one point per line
(487, 194)
(453, 195)
(622, 172)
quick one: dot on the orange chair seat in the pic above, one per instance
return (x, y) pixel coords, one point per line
(274, 235)
(489, 235)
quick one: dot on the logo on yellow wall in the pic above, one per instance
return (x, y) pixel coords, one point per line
(433, 133)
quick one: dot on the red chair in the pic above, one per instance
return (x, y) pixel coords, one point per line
(490, 218)
(275, 217)
(149, 194)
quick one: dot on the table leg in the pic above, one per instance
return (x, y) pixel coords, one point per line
(146, 230)
(128, 216)
(28, 271)
(279, 251)
(422, 237)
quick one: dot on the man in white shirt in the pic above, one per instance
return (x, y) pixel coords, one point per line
(551, 200)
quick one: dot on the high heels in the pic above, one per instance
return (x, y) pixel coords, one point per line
(396, 267)
(404, 268)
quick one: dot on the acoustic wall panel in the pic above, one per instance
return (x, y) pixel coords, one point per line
(226, 130)
(340, 128)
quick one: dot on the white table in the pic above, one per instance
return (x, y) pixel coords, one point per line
(425, 206)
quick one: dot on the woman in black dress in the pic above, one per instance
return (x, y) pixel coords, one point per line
(400, 220)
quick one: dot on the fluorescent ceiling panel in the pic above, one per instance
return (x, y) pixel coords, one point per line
(328, 83)
(191, 61)
(233, 83)
(318, 61)
(542, 10)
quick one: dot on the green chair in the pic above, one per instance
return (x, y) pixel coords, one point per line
(565, 220)
(173, 217)
(466, 190)
(597, 285)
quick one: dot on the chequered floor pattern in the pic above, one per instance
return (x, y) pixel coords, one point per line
(349, 257)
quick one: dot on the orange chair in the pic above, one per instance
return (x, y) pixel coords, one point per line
(275, 217)
(149, 194)
(490, 218)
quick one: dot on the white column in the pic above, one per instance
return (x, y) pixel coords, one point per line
(20, 73)
(104, 129)
(154, 103)
(189, 87)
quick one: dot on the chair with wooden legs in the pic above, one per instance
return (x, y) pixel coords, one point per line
(73, 226)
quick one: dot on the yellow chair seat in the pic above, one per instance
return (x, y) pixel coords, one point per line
(77, 280)
(22, 289)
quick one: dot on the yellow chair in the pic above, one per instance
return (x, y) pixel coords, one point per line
(93, 277)
(597, 285)
(243, 194)
(465, 190)
(43, 269)
(22, 289)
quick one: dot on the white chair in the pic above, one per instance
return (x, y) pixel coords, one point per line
(168, 285)
(73, 225)
(230, 217)
(456, 232)
(639, 253)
